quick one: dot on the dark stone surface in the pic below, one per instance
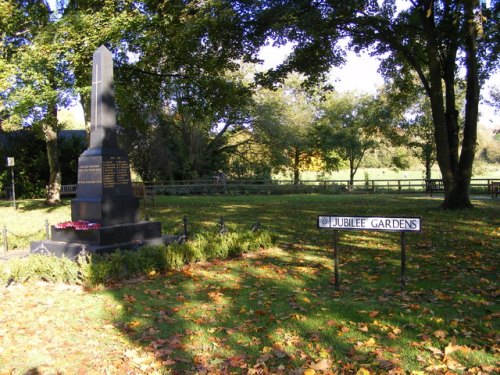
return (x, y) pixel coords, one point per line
(109, 235)
(102, 110)
(104, 189)
(72, 249)
(105, 211)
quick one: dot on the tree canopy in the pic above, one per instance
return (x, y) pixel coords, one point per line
(178, 68)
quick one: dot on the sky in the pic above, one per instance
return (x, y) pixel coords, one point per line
(360, 74)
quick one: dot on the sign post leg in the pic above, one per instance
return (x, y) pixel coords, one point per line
(403, 262)
(13, 189)
(336, 260)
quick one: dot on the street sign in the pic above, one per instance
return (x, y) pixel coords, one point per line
(391, 224)
(378, 223)
(10, 162)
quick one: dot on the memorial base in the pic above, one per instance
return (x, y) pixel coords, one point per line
(70, 242)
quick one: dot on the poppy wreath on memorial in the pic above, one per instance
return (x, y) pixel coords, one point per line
(78, 225)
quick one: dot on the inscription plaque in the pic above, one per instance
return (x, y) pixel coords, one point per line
(115, 172)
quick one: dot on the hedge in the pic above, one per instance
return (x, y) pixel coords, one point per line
(93, 269)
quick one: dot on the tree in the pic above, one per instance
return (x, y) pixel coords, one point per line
(410, 124)
(346, 128)
(186, 123)
(283, 120)
(35, 78)
(447, 43)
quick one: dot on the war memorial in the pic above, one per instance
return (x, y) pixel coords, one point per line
(105, 213)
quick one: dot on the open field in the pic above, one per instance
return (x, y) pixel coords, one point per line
(275, 311)
(481, 171)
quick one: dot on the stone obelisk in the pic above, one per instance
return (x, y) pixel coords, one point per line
(104, 190)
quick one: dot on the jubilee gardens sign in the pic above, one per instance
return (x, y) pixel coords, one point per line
(387, 224)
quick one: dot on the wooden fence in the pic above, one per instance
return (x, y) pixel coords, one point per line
(234, 187)
(208, 187)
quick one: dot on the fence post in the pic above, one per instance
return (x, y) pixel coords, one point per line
(185, 222)
(399, 186)
(5, 244)
(47, 233)
(222, 226)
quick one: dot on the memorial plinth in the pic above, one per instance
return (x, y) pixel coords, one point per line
(104, 190)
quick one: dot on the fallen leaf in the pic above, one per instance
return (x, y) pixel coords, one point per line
(435, 351)
(370, 342)
(236, 361)
(322, 365)
(450, 348)
(129, 298)
(373, 314)
(363, 328)
(436, 368)
(363, 371)
(344, 329)
(440, 334)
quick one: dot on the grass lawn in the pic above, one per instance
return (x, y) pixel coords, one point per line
(276, 311)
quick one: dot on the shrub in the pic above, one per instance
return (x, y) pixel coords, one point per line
(40, 267)
(97, 269)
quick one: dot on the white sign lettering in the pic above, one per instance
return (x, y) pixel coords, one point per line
(392, 224)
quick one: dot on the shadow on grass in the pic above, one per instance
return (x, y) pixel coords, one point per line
(276, 310)
(36, 204)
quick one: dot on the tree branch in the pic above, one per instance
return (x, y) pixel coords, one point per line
(141, 71)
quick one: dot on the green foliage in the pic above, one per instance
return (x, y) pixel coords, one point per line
(93, 269)
(31, 165)
(39, 267)
(206, 246)
(347, 128)
(283, 119)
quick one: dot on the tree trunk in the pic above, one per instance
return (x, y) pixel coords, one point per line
(456, 171)
(50, 133)
(352, 172)
(457, 194)
(296, 171)
(428, 164)
(85, 103)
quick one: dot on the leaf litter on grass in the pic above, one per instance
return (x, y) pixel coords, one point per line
(275, 311)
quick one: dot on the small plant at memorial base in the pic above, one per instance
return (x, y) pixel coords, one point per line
(39, 268)
(92, 270)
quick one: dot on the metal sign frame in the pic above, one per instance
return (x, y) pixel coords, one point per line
(373, 223)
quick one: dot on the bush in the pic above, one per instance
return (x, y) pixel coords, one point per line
(39, 267)
(96, 269)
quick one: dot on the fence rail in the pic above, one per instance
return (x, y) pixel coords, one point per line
(478, 186)
(208, 187)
